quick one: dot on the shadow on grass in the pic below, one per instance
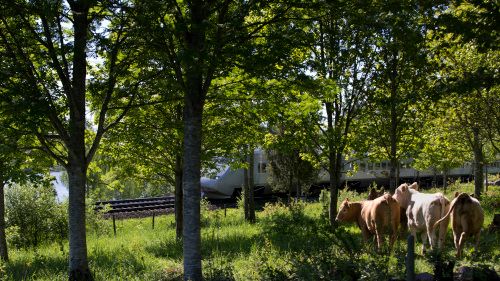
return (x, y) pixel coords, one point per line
(37, 267)
(231, 245)
(117, 262)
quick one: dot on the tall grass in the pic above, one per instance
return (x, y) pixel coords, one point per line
(292, 242)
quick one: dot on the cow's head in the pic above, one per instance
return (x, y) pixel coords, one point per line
(414, 186)
(402, 195)
(346, 212)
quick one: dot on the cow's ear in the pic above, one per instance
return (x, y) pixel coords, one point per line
(404, 188)
(456, 194)
(471, 195)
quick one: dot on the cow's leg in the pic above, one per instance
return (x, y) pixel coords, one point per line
(431, 233)
(423, 235)
(394, 234)
(456, 239)
(380, 239)
(443, 229)
(461, 242)
(365, 233)
(476, 238)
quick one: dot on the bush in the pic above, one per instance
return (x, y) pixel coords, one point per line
(33, 215)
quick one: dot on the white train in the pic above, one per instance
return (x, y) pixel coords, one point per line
(227, 182)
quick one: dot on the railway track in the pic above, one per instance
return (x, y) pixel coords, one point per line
(136, 205)
(151, 206)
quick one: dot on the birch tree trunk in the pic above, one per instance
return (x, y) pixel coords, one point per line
(77, 162)
(246, 197)
(251, 203)
(191, 191)
(478, 163)
(3, 241)
(178, 197)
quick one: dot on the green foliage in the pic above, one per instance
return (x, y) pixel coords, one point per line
(96, 223)
(324, 199)
(287, 243)
(33, 215)
(205, 208)
(289, 172)
(3, 271)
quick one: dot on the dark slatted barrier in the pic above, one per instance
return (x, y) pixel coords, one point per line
(136, 205)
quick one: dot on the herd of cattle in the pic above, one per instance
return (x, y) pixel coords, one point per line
(422, 212)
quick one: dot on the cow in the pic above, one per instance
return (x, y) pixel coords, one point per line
(422, 212)
(378, 217)
(374, 193)
(467, 218)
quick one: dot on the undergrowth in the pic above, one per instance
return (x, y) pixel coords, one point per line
(288, 242)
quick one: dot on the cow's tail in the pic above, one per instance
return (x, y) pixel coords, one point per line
(444, 202)
(453, 204)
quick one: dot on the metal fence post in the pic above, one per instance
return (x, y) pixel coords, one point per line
(410, 259)
(114, 225)
(153, 220)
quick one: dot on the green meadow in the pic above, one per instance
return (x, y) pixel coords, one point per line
(288, 242)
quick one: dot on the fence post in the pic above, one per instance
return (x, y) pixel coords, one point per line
(153, 220)
(224, 209)
(114, 225)
(410, 259)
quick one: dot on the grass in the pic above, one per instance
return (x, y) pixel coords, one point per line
(286, 243)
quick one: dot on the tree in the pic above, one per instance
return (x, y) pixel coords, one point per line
(342, 53)
(200, 41)
(292, 166)
(148, 144)
(466, 49)
(47, 45)
(400, 82)
(19, 163)
(443, 146)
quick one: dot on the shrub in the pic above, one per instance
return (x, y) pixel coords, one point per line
(95, 221)
(33, 215)
(324, 199)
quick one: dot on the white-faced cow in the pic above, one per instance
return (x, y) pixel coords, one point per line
(467, 218)
(423, 211)
(379, 216)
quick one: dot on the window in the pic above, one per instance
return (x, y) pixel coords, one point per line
(261, 168)
(362, 166)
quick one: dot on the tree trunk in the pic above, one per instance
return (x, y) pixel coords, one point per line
(251, 203)
(245, 193)
(486, 183)
(478, 163)
(398, 166)
(3, 242)
(178, 197)
(335, 170)
(78, 264)
(290, 184)
(77, 162)
(394, 125)
(334, 164)
(434, 177)
(191, 189)
(445, 180)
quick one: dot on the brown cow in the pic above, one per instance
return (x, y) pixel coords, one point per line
(423, 211)
(374, 193)
(377, 216)
(467, 218)
(403, 221)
